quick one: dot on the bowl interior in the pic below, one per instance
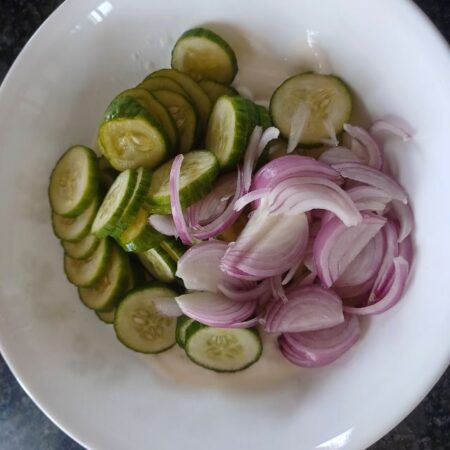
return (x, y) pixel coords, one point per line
(71, 364)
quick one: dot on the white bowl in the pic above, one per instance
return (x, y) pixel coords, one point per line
(107, 397)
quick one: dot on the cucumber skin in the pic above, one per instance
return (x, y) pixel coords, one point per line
(174, 248)
(180, 332)
(169, 262)
(153, 284)
(247, 115)
(93, 183)
(200, 32)
(310, 144)
(147, 239)
(121, 287)
(189, 195)
(108, 229)
(126, 107)
(197, 326)
(103, 265)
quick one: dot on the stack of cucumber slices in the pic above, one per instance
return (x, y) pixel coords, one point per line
(100, 206)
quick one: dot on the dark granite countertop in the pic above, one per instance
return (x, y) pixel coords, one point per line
(24, 426)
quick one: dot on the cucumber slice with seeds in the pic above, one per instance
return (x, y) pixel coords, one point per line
(232, 120)
(86, 272)
(106, 316)
(74, 181)
(183, 323)
(198, 172)
(162, 83)
(140, 236)
(327, 98)
(73, 229)
(160, 265)
(158, 111)
(129, 136)
(110, 288)
(202, 54)
(195, 92)
(81, 249)
(143, 181)
(139, 326)
(114, 204)
(185, 115)
(214, 90)
(222, 349)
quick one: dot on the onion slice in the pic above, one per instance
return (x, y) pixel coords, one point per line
(298, 124)
(319, 348)
(269, 245)
(374, 157)
(163, 224)
(392, 295)
(385, 125)
(308, 308)
(337, 155)
(368, 198)
(404, 215)
(175, 205)
(215, 310)
(336, 245)
(373, 177)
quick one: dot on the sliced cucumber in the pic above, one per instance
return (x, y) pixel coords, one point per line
(327, 98)
(76, 228)
(140, 236)
(158, 111)
(232, 120)
(185, 115)
(81, 249)
(264, 119)
(143, 181)
(162, 83)
(110, 288)
(222, 349)
(183, 322)
(74, 181)
(115, 203)
(203, 54)
(174, 248)
(214, 90)
(86, 272)
(130, 137)
(195, 92)
(198, 172)
(106, 316)
(160, 265)
(139, 326)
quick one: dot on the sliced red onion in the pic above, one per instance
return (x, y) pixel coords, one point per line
(387, 126)
(309, 308)
(339, 155)
(226, 219)
(298, 124)
(372, 177)
(269, 245)
(305, 280)
(333, 140)
(406, 250)
(167, 306)
(391, 296)
(277, 288)
(291, 273)
(290, 166)
(299, 195)
(215, 310)
(250, 197)
(163, 224)
(257, 144)
(404, 215)
(374, 156)
(244, 295)
(336, 245)
(368, 198)
(214, 204)
(175, 205)
(386, 270)
(319, 348)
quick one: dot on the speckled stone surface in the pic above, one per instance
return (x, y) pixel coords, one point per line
(24, 427)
